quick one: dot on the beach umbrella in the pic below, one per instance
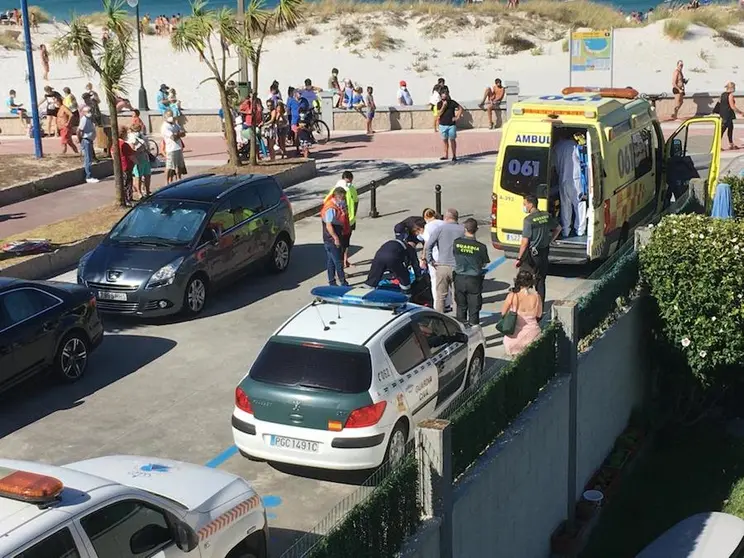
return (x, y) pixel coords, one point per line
(722, 202)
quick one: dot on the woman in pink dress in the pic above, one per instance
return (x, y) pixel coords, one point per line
(529, 307)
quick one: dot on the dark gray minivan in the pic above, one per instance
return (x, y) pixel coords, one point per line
(166, 254)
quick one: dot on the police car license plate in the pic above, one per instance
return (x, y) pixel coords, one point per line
(511, 237)
(294, 444)
(108, 295)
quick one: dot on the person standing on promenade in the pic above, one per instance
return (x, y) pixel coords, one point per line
(539, 230)
(727, 110)
(352, 205)
(64, 127)
(335, 227)
(87, 135)
(449, 112)
(444, 238)
(678, 88)
(172, 133)
(44, 54)
(432, 223)
(471, 258)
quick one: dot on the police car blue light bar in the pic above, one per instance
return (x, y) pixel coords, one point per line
(360, 296)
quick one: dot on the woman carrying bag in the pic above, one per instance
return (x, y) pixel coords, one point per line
(520, 313)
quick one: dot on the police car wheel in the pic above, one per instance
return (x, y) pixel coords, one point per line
(278, 260)
(396, 449)
(71, 359)
(475, 370)
(195, 295)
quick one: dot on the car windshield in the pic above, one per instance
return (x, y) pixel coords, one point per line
(525, 170)
(166, 222)
(298, 362)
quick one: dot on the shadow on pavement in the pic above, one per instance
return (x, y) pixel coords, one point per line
(282, 540)
(117, 357)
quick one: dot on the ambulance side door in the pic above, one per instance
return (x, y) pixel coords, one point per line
(693, 151)
(419, 374)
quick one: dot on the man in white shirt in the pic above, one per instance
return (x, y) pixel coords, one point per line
(433, 223)
(404, 96)
(568, 167)
(172, 133)
(87, 135)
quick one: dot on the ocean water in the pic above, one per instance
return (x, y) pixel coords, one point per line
(61, 9)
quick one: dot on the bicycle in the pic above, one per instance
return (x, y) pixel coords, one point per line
(153, 148)
(320, 129)
(653, 97)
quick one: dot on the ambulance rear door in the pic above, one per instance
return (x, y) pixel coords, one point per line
(524, 169)
(595, 224)
(693, 151)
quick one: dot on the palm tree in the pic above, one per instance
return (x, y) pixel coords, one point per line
(195, 34)
(109, 60)
(259, 21)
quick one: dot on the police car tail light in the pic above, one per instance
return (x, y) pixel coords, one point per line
(29, 487)
(242, 402)
(366, 416)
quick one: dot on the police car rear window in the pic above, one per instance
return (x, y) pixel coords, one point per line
(525, 170)
(304, 363)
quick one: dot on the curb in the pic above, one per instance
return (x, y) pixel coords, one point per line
(52, 263)
(60, 181)
(364, 187)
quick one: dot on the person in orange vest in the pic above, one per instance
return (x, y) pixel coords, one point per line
(336, 227)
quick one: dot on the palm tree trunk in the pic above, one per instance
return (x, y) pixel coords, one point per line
(121, 197)
(254, 96)
(232, 144)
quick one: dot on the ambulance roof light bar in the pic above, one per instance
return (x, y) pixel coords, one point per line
(29, 487)
(356, 296)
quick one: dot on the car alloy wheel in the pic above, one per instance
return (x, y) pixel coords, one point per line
(476, 369)
(397, 446)
(280, 255)
(196, 295)
(73, 358)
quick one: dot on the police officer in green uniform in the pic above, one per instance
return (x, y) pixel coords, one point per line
(539, 230)
(471, 257)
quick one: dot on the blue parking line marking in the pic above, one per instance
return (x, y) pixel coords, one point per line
(495, 263)
(222, 457)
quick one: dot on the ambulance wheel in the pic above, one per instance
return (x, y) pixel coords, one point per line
(396, 449)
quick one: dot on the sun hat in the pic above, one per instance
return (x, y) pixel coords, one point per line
(403, 83)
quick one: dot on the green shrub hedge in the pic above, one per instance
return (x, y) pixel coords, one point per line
(619, 281)
(737, 194)
(487, 414)
(694, 268)
(377, 527)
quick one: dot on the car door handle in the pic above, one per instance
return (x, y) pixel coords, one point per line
(47, 326)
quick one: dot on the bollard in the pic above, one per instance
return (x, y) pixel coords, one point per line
(438, 200)
(373, 200)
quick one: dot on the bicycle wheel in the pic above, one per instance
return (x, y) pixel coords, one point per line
(322, 131)
(153, 147)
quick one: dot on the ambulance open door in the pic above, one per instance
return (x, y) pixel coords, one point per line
(693, 151)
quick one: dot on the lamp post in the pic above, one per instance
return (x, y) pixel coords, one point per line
(35, 125)
(142, 101)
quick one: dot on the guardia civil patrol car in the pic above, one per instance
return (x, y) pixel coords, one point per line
(128, 506)
(341, 384)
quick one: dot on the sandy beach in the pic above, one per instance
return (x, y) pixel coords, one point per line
(382, 48)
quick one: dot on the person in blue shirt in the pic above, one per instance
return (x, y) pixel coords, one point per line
(309, 93)
(15, 108)
(162, 98)
(293, 111)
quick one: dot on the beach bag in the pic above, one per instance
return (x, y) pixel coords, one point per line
(716, 108)
(508, 322)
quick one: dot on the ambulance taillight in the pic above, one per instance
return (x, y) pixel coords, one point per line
(494, 208)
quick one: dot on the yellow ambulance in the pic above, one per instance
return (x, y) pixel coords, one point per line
(628, 171)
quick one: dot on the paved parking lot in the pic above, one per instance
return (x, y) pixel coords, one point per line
(166, 388)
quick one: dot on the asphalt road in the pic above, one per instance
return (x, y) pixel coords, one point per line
(166, 388)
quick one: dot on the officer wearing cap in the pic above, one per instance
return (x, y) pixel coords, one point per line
(539, 230)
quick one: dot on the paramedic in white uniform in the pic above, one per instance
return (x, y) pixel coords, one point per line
(432, 224)
(568, 168)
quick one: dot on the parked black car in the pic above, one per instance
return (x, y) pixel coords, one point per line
(43, 324)
(167, 253)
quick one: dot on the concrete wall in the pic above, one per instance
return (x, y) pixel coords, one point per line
(512, 499)
(425, 543)
(612, 376)
(509, 503)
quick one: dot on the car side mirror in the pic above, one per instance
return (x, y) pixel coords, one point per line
(186, 538)
(677, 150)
(148, 538)
(460, 337)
